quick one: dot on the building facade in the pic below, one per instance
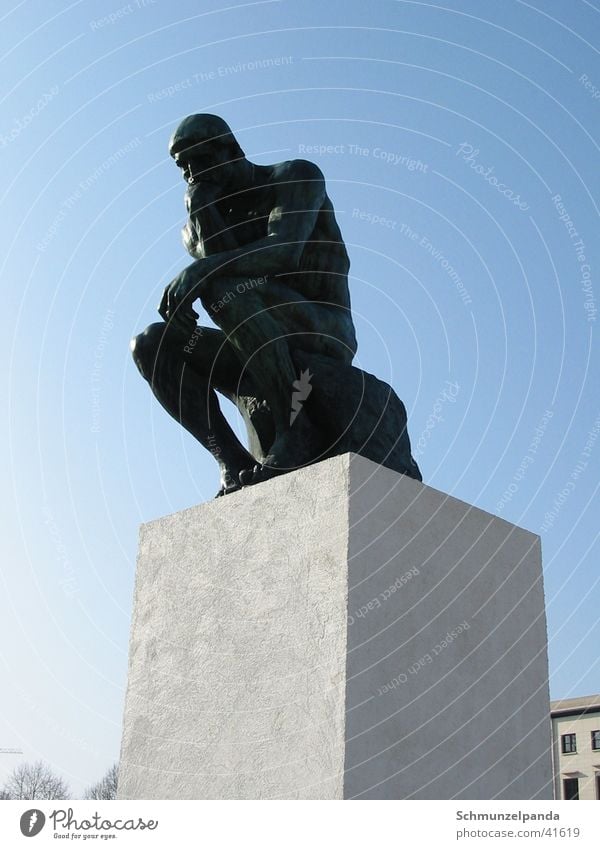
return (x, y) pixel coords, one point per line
(576, 747)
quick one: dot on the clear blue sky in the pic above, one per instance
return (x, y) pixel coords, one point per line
(471, 117)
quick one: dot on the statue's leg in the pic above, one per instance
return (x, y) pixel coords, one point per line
(183, 373)
(259, 339)
(260, 332)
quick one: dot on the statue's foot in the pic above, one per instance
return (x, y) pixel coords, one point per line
(230, 481)
(260, 473)
(293, 449)
(225, 490)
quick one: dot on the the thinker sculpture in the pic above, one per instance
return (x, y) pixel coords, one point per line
(270, 269)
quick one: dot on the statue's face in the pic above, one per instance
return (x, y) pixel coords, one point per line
(207, 162)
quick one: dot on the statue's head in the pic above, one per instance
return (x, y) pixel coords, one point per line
(206, 150)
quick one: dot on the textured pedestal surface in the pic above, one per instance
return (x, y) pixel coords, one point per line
(338, 632)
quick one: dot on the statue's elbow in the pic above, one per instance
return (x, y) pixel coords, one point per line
(285, 256)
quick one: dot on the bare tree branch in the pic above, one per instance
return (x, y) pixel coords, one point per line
(107, 787)
(34, 781)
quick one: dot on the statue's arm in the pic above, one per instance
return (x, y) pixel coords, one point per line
(205, 232)
(299, 195)
(293, 218)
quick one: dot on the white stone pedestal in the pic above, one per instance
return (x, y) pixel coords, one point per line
(340, 632)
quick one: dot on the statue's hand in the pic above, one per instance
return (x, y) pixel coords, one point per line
(201, 195)
(178, 297)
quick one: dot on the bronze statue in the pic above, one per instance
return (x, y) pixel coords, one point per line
(271, 270)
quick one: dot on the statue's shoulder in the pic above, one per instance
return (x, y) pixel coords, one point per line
(294, 170)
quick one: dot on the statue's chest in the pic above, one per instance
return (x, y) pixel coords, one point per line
(249, 223)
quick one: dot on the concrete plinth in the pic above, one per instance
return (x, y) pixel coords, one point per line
(338, 632)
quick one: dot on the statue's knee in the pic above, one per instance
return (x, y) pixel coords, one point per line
(146, 347)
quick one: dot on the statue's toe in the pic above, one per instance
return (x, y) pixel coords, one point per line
(247, 476)
(226, 490)
(259, 473)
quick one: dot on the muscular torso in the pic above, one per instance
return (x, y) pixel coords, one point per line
(322, 274)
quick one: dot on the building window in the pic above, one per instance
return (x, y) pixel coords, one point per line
(595, 739)
(569, 744)
(570, 788)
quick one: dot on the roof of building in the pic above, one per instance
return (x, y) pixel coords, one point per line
(582, 704)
